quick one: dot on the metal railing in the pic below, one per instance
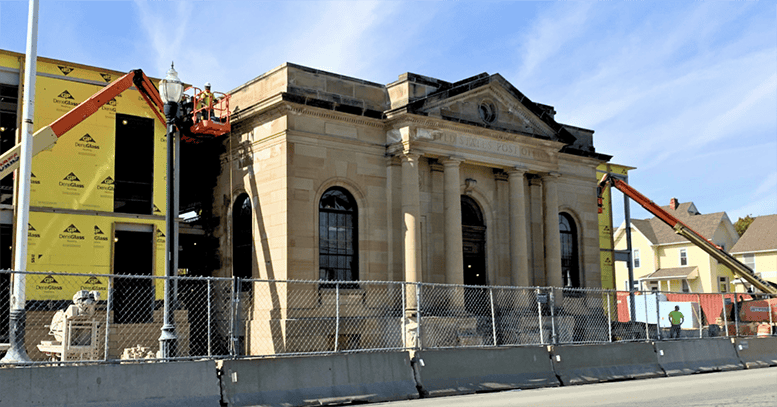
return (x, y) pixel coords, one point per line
(233, 318)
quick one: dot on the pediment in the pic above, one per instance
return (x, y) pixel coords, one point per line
(494, 104)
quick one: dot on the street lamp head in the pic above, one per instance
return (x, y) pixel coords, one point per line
(171, 88)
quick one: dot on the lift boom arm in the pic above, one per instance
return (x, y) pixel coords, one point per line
(47, 136)
(683, 230)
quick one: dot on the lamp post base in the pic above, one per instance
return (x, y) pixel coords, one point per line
(168, 342)
(16, 353)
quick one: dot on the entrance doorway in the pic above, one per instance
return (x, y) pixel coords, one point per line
(133, 298)
(473, 231)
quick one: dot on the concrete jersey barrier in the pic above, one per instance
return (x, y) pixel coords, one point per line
(757, 352)
(697, 356)
(578, 364)
(316, 380)
(146, 384)
(462, 371)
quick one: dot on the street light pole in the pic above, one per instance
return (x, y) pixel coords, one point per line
(18, 315)
(170, 91)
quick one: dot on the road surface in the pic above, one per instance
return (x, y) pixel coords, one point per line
(751, 388)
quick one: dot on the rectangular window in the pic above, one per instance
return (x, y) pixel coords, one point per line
(686, 287)
(134, 168)
(749, 260)
(636, 258)
(683, 257)
(723, 284)
(653, 285)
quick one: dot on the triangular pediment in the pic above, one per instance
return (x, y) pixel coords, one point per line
(492, 102)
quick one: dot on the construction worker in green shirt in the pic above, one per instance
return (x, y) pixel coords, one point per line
(676, 318)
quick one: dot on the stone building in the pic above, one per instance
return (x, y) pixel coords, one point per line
(328, 177)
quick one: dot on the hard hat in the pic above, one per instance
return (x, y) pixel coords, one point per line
(207, 84)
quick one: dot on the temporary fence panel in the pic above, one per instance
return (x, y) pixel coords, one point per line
(232, 317)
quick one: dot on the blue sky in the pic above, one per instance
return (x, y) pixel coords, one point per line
(684, 91)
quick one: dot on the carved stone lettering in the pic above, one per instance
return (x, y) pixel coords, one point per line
(492, 146)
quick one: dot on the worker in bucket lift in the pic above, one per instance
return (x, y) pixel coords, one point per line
(206, 101)
(676, 318)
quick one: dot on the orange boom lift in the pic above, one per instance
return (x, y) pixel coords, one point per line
(754, 313)
(193, 129)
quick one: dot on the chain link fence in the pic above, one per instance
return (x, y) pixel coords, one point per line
(97, 317)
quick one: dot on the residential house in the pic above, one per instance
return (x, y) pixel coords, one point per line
(666, 261)
(757, 248)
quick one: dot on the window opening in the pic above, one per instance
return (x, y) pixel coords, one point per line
(569, 257)
(723, 284)
(683, 257)
(636, 258)
(134, 166)
(8, 121)
(5, 280)
(338, 237)
(749, 260)
(242, 240)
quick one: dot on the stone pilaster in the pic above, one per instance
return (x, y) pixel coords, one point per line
(553, 275)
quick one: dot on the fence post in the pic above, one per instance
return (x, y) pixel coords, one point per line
(553, 336)
(725, 317)
(735, 306)
(647, 326)
(108, 316)
(493, 315)
(234, 295)
(403, 289)
(418, 316)
(609, 317)
(771, 319)
(337, 314)
(209, 318)
(539, 315)
(658, 317)
(701, 317)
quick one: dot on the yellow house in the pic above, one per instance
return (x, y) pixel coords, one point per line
(666, 261)
(757, 248)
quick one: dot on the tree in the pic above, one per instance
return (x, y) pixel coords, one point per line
(742, 224)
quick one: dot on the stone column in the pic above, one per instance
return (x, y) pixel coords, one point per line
(519, 246)
(553, 275)
(411, 214)
(454, 257)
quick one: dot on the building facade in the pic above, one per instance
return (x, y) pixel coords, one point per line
(328, 177)
(97, 198)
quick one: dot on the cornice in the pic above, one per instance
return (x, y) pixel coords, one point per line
(431, 122)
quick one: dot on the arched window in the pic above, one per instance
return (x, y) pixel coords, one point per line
(569, 263)
(242, 239)
(338, 237)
